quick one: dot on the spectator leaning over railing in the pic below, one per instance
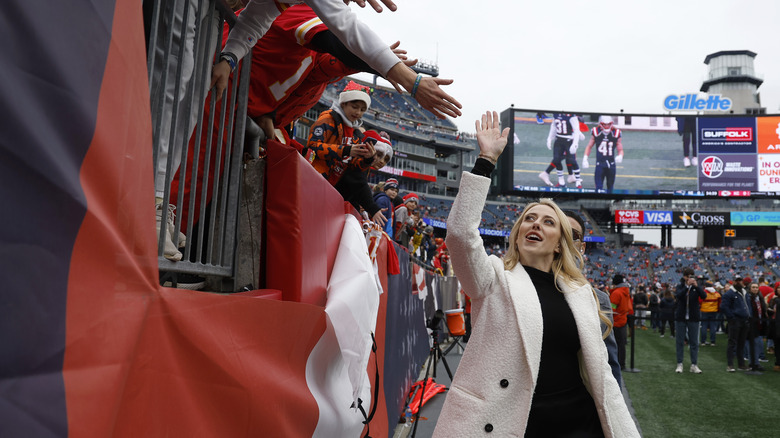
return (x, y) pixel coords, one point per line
(171, 100)
(307, 57)
(382, 199)
(342, 155)
(353, 185)
(258, 15)
(403, 212)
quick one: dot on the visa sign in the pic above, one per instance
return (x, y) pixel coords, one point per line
(658, 217)
(629, 217)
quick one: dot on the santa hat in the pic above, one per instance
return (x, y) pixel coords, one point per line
(391, 183)
(411, 197)
(381, 144)
(354, 91)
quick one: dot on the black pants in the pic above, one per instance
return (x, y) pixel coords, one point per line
(737, 336)
(664, 321)
(621, 337)
(560, 150)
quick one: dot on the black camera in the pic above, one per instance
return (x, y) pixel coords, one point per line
(434, 323)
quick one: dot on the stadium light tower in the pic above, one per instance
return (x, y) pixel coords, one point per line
(426, 68)
(731, 74)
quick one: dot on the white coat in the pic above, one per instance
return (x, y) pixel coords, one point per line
(493, 387)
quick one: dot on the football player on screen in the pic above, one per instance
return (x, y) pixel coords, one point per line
(564, 129)
(609, 152)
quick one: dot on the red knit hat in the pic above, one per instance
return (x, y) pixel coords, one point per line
(382, 145)
(411, 197)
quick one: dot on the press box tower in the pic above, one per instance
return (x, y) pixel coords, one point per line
(731, 74)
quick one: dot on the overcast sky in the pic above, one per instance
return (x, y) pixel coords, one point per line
(589, 56)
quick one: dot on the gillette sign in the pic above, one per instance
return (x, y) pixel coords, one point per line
(693, 102)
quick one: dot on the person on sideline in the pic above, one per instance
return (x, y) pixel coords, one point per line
(536, 348)
(710, 307)
(735, 308)
(577, 227)
(623, 308)
(756, 326)
(686, 319)
(666, 308)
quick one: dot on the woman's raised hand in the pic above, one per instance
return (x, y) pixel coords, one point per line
(491, 139)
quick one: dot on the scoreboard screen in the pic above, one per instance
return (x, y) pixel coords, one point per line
(663, 155)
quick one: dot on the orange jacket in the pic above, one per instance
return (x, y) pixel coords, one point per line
(329, 147)
(621, 305)
(711, 304)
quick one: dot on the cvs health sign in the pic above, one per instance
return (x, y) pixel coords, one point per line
(629, 217)
(658, 217)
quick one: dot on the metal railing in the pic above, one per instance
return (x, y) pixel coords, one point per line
(194, 136)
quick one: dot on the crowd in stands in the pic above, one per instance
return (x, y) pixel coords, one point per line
(400, 112)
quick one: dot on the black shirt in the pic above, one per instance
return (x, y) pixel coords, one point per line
(561, 406)
(559, 369)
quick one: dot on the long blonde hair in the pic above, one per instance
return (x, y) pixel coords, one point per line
(566, 263)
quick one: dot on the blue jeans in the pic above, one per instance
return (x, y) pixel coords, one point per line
(709, 321)
(691, 328)
(755, 347)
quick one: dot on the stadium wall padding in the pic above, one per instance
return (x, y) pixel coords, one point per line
(92, 345)
(304, 220)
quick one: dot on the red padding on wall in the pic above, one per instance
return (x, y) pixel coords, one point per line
(304, 221)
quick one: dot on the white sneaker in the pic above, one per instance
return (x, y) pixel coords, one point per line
(694, 369)
(169, 249)
(571, 179)
(695, 161)
(561, 182)
(544, 176)
(686, 162)
(578, 184)
(679, 368)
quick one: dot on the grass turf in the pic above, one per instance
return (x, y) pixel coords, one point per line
(712, 404)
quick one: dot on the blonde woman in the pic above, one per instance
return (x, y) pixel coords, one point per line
(536, 364)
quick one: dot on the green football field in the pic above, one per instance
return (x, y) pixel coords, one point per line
(712, 404)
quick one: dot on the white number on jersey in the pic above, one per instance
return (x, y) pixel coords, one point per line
(561, 127)
(605, 148)
(279, 89)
